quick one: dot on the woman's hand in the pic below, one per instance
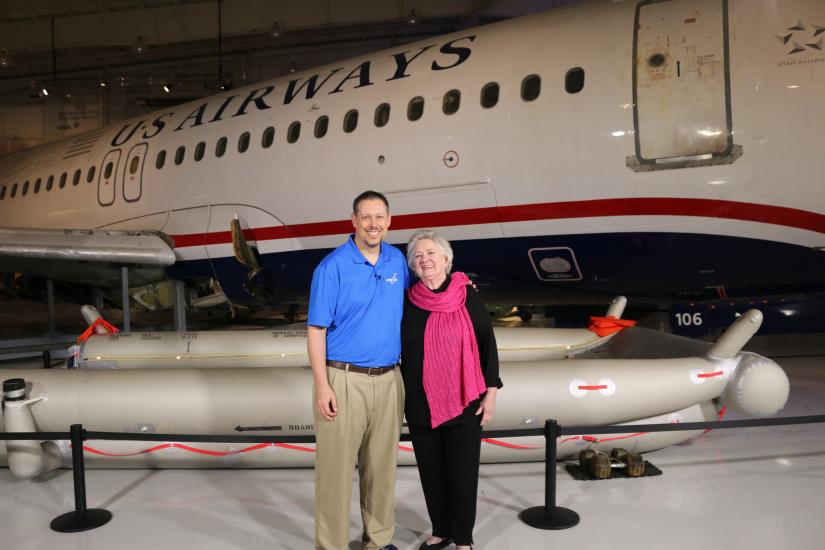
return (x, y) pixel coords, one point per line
(488, 406)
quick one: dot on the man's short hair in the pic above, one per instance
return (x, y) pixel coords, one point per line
(369, 195)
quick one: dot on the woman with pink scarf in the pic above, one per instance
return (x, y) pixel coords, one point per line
(449, 363)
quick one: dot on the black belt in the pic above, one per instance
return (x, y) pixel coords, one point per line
(370, 371)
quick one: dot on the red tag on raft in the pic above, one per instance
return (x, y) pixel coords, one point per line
(88, 332)
(605, 326)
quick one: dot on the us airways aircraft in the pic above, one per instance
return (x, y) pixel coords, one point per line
(656, 149)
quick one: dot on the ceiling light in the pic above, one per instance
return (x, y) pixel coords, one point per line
(102, 83)
(276, 31)
(139, 47)
(412, 18)
(292, 66)
(5, 60)
(167, 87)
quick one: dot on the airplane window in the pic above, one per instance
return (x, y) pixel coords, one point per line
(350, 121)
(13, 191)
(382, 115)
(243, 142)
(25, 190)
(452, 100)
(179, 154)
(415, 109)
(200, 149)
(268, 137)
(294, 132)
(50, 183)
(530, 87)
(76, 178)
(2, 192)
(134, 164)
(489, 95)
(91, 175)
(107, 172)
(63, 180)
(574, 80)
(220, 147)
(321, 126)
(37, 186)
(160, 160)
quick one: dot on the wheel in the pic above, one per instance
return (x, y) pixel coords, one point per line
(619, 455)
(635, 465)
(600, 466)
(585, 457)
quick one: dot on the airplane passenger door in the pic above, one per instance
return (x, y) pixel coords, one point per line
(681, 81)
(133, 174)
(106, 180)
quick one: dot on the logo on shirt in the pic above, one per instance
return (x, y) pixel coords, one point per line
(392, 280)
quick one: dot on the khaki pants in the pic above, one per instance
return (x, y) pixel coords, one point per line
(366, 432)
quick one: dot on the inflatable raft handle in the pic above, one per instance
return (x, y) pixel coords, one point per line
(91, 314)
(737, 335)
(616, 308)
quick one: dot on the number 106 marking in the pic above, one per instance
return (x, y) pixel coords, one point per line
(689, 319)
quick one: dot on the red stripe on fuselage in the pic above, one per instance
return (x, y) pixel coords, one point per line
(648, 206)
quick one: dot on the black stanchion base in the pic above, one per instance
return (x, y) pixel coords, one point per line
(557, 518)
(70, 522)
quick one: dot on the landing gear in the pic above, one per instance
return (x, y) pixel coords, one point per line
(632, 464)
(601, 466)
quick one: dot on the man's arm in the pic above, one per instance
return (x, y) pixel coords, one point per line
(317, 351)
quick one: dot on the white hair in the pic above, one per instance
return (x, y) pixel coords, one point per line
(429, 234)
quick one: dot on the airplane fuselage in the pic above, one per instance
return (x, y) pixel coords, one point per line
(659, 150)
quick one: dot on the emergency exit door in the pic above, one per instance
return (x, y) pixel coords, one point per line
(681, 81)
(133, 173)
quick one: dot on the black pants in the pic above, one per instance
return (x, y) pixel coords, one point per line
(447, 458)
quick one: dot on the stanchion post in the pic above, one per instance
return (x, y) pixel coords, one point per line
(81, 519)
(550, 516)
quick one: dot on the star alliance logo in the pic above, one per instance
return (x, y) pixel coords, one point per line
(392, 280)
(802, 37)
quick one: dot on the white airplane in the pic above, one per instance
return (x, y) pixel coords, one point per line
(655, 149)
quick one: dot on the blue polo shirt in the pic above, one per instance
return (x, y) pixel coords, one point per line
(360, 304)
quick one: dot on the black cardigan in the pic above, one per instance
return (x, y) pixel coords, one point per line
(412, 357)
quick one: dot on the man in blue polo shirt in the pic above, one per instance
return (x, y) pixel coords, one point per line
(354, 343)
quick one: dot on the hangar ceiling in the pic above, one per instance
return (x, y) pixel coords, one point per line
(170, 50)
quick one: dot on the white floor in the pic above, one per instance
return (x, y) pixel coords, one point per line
(757, 488)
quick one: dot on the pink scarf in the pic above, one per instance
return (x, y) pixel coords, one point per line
(452, 369)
